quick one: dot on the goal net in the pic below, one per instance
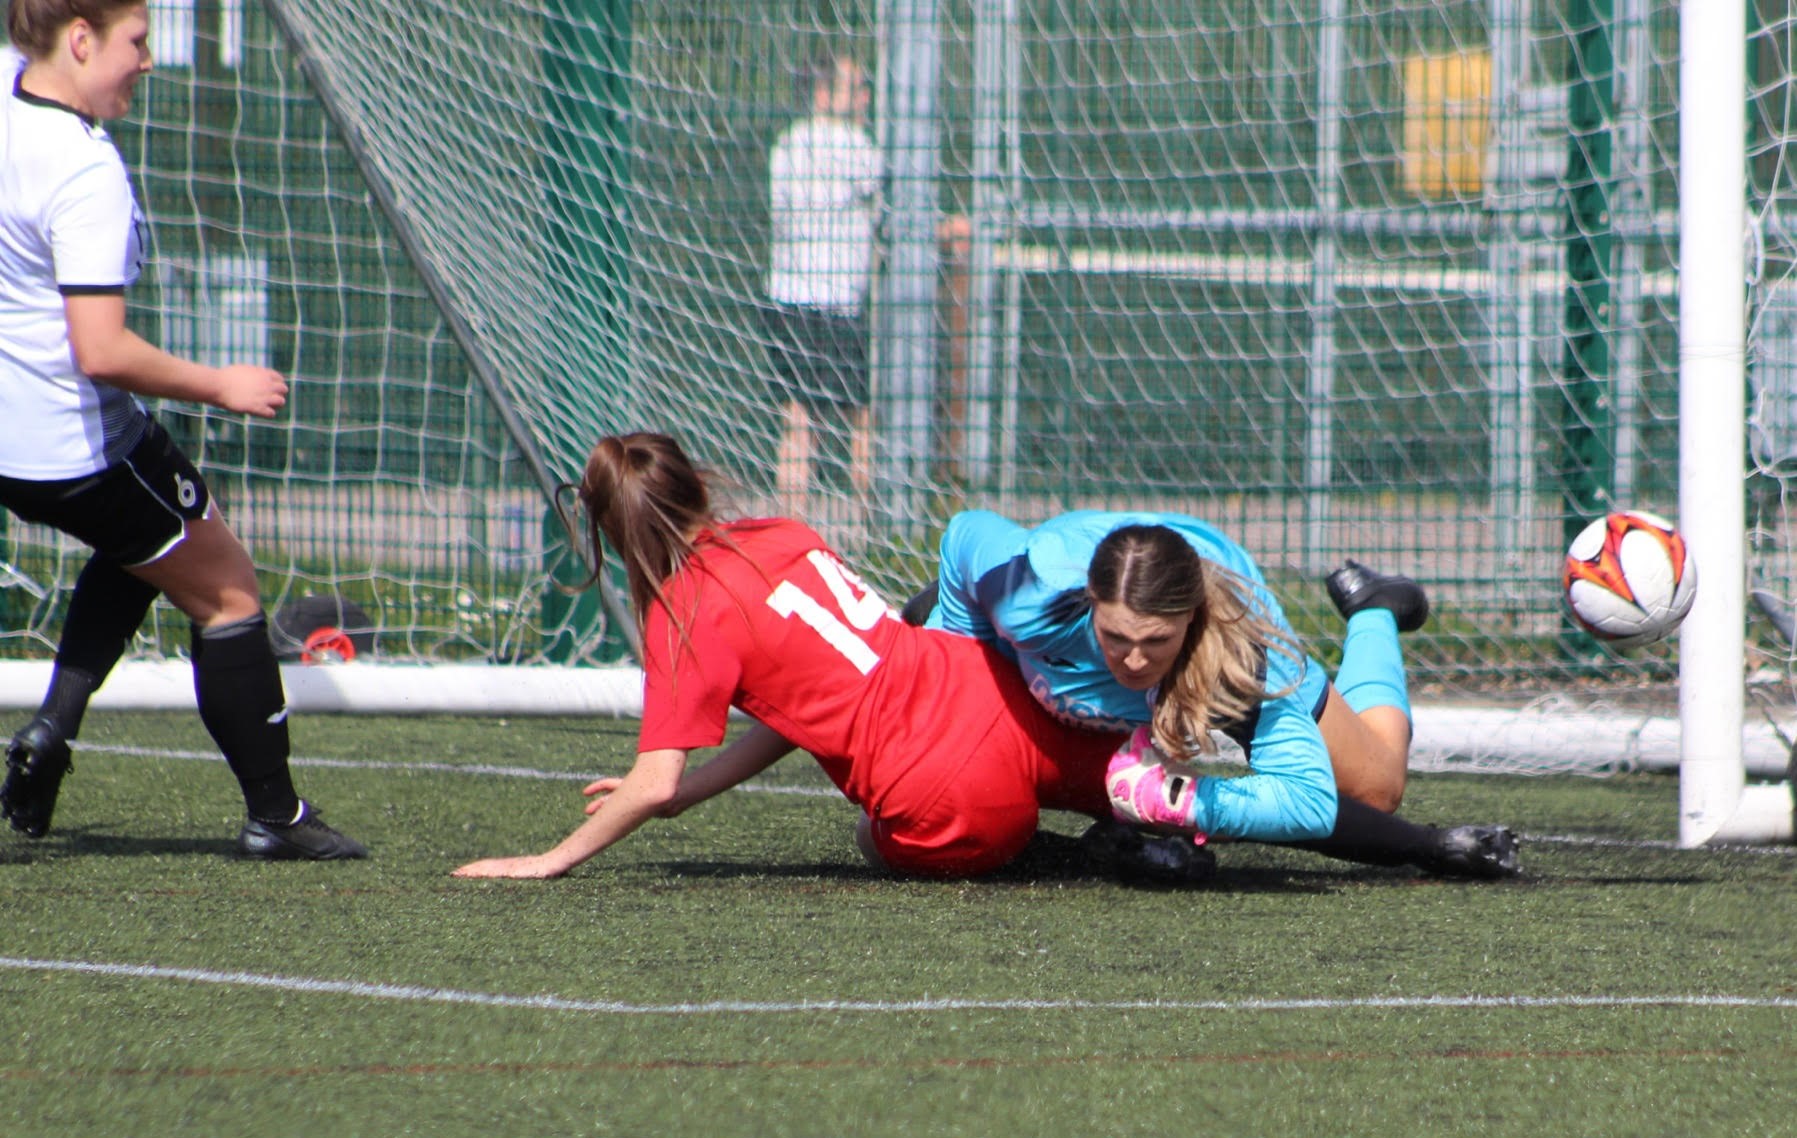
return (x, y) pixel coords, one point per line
(1392, 281)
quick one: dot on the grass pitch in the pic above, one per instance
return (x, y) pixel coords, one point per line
(737, 971)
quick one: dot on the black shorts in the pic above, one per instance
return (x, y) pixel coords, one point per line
(134, 511)
(820, 358)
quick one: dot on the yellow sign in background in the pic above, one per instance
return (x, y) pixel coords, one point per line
(1447, 118)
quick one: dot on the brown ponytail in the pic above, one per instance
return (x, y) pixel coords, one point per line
(649, 504)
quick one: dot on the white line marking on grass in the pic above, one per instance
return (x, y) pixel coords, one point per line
(767, 788)
(1648, 844)
(436, 768)
(417, 993)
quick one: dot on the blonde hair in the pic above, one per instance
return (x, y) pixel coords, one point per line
(1218, 675)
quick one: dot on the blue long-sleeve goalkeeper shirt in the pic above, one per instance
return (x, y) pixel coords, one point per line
(1024, 591)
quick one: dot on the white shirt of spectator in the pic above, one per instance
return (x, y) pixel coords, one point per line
(68, 220)
(824, 181)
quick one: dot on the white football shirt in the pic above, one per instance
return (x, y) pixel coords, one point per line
(824, 191)
(69, 224)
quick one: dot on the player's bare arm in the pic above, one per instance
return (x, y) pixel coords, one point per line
(747, 756)
(109, 352)
(643, 793)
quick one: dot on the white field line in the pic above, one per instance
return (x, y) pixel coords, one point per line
(416, 993)
(421, 994)
(764, 788)
(1648, 844)
(434, 768)
(1549, 736)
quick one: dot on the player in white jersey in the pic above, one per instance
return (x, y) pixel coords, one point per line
(82, 454)
(824, 177)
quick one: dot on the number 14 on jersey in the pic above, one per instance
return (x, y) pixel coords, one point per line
(858, 609)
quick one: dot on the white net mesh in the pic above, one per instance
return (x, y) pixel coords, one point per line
(1391, 281)
(1772, 349)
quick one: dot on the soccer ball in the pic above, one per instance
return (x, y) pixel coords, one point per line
(1629, 579)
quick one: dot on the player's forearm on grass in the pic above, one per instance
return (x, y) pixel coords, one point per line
(644, 793)
(748, 755)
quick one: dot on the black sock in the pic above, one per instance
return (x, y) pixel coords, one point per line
(66, 701)
(105, 609)
(1374, 837)
(238, 686)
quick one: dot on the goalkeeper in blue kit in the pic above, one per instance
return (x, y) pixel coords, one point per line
(1160, 625)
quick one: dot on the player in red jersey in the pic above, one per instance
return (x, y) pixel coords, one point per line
(934, 736)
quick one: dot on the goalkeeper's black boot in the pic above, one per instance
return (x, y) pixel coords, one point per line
(36, 760)
(1484, 852)
(1354, 587)
(1137, 857)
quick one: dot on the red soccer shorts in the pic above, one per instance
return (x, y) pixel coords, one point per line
(975, 806)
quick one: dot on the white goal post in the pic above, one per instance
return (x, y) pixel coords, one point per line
(1716, 803)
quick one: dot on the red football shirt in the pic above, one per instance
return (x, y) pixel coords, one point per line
(781, 629)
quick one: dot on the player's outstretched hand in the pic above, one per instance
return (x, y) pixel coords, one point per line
(251, 390)
(522, 867)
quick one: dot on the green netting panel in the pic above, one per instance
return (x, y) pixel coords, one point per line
(1305, 268)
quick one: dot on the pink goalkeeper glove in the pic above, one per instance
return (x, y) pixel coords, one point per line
(1146, 790)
